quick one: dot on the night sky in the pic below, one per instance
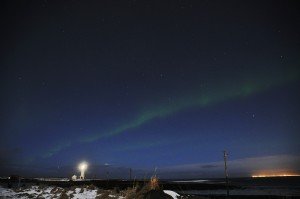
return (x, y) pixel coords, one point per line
(145, 84)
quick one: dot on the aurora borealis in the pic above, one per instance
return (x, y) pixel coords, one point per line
(203, 100)
(149, 84)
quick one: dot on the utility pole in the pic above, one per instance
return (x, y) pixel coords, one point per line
(225, 169)
(130, 173)
(107, 175)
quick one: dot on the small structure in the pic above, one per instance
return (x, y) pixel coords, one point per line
(74, 177)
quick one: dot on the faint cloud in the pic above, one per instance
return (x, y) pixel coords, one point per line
(236, 168)
(209, 166)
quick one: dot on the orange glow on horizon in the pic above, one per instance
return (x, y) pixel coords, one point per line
(275, 175)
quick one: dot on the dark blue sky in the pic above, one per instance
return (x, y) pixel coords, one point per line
(148, 83)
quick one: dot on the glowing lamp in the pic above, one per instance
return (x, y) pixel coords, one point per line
(82, 167)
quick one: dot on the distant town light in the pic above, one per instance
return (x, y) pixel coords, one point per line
(274, 175)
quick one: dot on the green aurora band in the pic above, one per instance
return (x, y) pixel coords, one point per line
(218, 93)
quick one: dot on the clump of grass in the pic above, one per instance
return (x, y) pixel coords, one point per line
(99, 191)
(72, 189)
(40, 196)
(17, 190)
(116, 190)
(54, 190)
(66, 189)
(81, 190)
(24, 194)
(154, 184)
(130, 193)
(59, 190)
(64, 195)
(104, 195)
(42, 186)
(137, 193)
(92, 187)
(140, 192)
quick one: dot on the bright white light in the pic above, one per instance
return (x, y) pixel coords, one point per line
(82, 168)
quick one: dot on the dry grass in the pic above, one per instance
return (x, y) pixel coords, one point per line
(40, 196)
(140, 193)
(64, 195)
(99, 191)
(72, 188)
(154, 183)
(92, 187)
(42, 186)
(116, 190)
(130, 193)
(104, 195)
(81, 190)
(54, 190)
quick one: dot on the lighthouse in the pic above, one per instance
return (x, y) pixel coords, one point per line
(82, 168)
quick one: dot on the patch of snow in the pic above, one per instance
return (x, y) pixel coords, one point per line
(5, 192)
(173, 194)
(52, 179)
(88, 194)
(50, 192)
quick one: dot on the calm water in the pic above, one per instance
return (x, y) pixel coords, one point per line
(283, 186)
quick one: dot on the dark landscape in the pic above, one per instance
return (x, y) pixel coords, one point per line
(134, 99)
(185, 189)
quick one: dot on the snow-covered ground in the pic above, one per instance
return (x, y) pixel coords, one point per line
(52, 179)
(53, 192)
(172, 194)
(49, 192)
